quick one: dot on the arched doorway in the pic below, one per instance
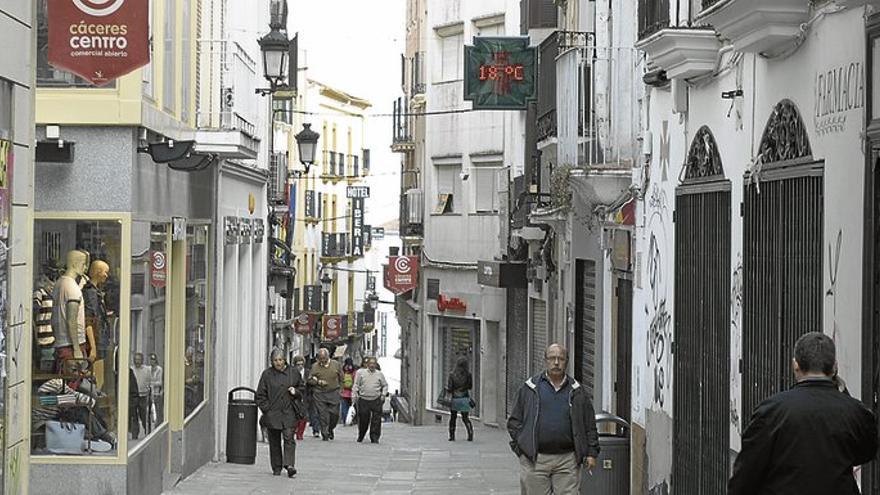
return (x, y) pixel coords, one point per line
(701, 388)
(782, 255)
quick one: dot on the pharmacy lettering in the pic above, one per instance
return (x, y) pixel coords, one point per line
(839, 91)
(99, 40)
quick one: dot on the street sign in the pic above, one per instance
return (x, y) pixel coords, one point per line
(99, 40)
(304, 323)
(312, 298)
(402, 274)
(332, 326)
(378, 233)
(357, 192)
(500, 73)
(158, 265)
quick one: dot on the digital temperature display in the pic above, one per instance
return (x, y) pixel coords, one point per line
(497, 72)
(500, 73)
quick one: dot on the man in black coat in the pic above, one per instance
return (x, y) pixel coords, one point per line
(808, 439)
(553, 429)
(279, 396)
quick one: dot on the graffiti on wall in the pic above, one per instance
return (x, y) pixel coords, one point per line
(659, 489)
(833, 266)
(659, 336)
(736, 305)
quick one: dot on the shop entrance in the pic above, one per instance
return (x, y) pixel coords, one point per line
(701, 394)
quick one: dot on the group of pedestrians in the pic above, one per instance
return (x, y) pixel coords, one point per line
(291, 396)
(808, 440)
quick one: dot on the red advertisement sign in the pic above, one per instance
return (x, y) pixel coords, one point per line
(304, 323)
(332, 326)
(99, 40)
(158, 268)
(402, 274)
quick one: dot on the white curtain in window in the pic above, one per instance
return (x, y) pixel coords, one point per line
(451, 61)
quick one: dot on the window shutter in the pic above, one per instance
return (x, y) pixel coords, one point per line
(547, 16)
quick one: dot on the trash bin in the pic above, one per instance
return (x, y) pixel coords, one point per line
(611, 474)
(241, 428)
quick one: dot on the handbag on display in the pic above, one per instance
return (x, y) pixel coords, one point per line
(65, 438)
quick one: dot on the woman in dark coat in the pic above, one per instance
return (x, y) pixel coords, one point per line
(279, 397)
(458, 386)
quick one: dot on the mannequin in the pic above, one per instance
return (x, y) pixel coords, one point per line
(68, 311)
(96, 314)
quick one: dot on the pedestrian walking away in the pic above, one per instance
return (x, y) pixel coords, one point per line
(279, 397)
(806, 440)
(553, 429)
(326, 378)
(368, 395)
(458, 386)
(348, 371)
(299, 364)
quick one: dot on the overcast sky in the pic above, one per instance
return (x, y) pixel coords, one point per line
(355, 46)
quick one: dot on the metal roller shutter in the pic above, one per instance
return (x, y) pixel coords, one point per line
(539, 335)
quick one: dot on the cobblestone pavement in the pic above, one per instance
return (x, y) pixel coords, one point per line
(407, 459)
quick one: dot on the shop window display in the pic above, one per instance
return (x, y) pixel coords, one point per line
(76, 337)
(197, 270)
(149, 277)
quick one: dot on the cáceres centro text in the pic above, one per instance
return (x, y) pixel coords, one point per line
(96, 36)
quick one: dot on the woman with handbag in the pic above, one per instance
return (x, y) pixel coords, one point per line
(279, 397)
(458, 386)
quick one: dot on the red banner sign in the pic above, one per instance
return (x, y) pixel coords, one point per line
(158, 269)
(99, 40)
(450, 303)
(402, 274)
(332, 326)
(304, 323)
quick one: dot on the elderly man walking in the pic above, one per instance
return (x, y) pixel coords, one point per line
(326, 379)
(553, 429)
(807, 439)
(368, 395)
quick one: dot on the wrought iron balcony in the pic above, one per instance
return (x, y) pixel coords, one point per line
(546, 104)
(653, 16)
(402, 132)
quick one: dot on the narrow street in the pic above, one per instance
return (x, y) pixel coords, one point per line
(408, 459)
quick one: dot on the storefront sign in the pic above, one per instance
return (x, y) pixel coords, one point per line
(157, 269)
(332, 326)
(368, 236)
(378, 233)
(178, 229)
(244, 231)
(402, 274)
(230, 227)
(357, 227)
(450, 304)
(499, 73)
(259, 230)
(99, 40)
(839, 90)
(304, 323)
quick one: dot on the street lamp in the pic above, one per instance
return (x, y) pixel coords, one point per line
(326, 286)
(373, 299)
(275, 48)
(307, 142)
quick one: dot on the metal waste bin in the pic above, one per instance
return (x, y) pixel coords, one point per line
(241, 428)
(611, 474)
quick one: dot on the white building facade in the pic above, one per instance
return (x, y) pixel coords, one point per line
(754, 224)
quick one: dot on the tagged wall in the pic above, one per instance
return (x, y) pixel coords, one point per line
(826, 81)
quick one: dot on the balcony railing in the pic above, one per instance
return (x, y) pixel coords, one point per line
(546, 105)
(402, 122)
(412, 213)
(654, 16)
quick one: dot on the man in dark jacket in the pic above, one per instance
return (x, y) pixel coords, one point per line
(553, 429)
(279, 396)
(806, 440)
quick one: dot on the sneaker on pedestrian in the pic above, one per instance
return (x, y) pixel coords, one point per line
(291, 471)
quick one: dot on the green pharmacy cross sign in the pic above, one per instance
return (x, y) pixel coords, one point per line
(499, 73)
